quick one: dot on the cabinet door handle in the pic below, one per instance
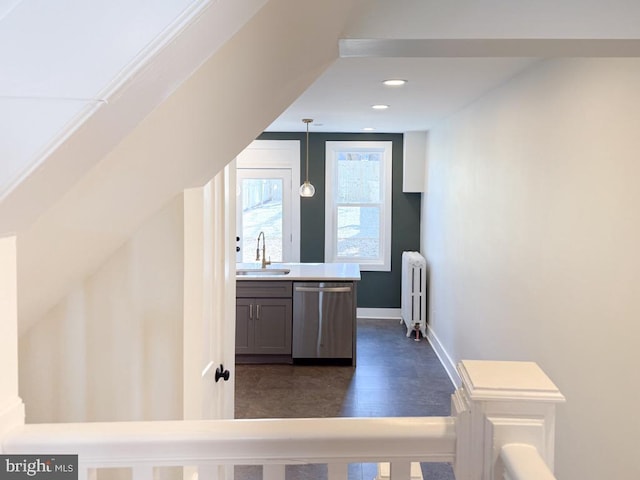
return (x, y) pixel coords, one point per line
(258, 312)
(250, 311)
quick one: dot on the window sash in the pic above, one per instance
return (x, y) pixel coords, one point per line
(362, 237)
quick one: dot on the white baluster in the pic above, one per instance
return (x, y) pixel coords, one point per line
(11, 406)
(87, 473)
(400, 471)
(337, 471)
(214, 472)
(273, 472)
(143, 472)
(384, 471)
(190, 473)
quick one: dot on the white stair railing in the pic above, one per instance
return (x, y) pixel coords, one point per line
(273, 442)
(503, 427)
(523, 462)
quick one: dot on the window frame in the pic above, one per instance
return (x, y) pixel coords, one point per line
(383, 262)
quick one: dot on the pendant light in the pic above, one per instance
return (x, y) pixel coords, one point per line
(306, 189)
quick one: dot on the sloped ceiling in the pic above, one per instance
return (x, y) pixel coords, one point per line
(184, 141)
(65, 62)
(61, 59)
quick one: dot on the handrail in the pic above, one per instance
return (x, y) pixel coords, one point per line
(237, 442)
(482, 418)
(523, 462)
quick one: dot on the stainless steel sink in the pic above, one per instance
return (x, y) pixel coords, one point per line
(262, 271)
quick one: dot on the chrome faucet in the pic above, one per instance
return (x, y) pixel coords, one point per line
(265, 262)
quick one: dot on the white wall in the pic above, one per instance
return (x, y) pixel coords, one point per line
(112, 349)
(532, 235)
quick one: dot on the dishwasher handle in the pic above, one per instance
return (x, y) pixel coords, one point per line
(323, 289)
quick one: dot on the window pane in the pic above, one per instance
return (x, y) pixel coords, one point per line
(358, 232)
(261, 211)
(358, 177)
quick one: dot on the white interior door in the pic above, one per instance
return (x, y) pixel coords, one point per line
(220, 294)
(209, 305)
(264, 205)
(209, 297)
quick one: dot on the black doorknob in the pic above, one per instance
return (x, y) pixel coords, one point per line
(237, 249)
(222, 373)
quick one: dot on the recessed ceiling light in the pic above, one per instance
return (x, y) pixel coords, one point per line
(368, 129)
(379, 107)
(394, 82)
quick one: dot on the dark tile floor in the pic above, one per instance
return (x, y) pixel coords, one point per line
(395, 377)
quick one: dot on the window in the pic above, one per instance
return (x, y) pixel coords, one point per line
(358, 204)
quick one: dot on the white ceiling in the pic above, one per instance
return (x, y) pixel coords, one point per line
(340, 100)
(61, 61)
(453, 53)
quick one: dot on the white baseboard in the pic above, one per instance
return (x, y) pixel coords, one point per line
(380, 313)
(11, 416)
(444, 357)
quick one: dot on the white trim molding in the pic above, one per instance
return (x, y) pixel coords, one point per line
(444, 357)
(379, 313)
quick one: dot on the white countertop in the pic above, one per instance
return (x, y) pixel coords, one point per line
(302, 271)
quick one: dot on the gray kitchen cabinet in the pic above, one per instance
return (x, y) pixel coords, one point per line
(263, 318)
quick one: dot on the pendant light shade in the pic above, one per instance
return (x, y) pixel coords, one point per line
(306, 189)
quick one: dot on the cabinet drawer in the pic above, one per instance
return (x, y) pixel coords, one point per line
(263, 289)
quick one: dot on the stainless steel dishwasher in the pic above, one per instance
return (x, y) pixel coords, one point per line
(323, 320)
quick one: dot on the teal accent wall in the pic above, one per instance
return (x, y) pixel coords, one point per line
(377, 289)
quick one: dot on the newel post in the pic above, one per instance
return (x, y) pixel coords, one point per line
(11, 407)
(500, 403)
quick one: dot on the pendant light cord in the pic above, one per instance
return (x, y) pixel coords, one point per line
(307, 180)
(306, 189)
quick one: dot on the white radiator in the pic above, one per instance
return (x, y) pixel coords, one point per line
(414, 293)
